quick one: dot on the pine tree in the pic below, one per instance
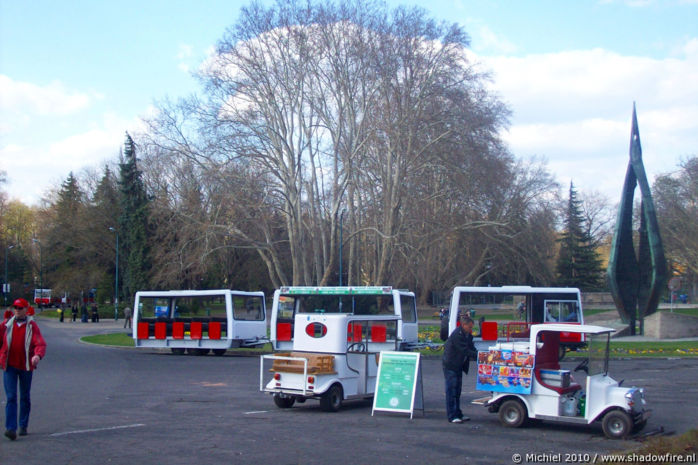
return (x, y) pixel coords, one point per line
(133, 223)
(578, 263)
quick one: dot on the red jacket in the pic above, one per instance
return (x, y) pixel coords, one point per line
(34, 343)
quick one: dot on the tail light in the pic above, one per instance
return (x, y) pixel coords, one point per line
(277, 376)
(311, 379)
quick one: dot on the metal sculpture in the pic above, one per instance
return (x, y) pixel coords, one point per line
(636, 280)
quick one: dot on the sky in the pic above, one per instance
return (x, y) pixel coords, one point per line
(75, 76)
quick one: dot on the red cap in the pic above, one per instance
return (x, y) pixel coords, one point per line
(21, 303)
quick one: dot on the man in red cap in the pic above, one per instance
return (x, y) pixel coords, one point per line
(21, 349)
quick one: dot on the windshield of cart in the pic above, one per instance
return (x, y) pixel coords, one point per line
(598, 345)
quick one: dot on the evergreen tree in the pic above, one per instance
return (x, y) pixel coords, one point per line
(578, 263)
(104, 214)
(63, 253)
(133, 223)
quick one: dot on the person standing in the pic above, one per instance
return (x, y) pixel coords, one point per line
(21, 348)
(458, 351)
(127, 316)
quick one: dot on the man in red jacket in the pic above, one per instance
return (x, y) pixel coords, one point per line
(21, 349)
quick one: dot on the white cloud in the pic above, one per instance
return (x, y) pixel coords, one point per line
(574, 109)
(485, 38)
(27, 98)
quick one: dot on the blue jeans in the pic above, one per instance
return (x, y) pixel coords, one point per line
(11, 377)
(454, 383)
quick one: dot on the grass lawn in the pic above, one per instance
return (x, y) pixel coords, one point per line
(626, 349)
(430, 334)
(111, 339)
(684, 445)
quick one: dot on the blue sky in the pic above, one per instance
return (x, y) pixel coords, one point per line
(75, 75)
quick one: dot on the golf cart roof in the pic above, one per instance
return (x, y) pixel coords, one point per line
(568, 328)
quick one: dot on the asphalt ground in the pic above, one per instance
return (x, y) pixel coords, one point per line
(100, 405)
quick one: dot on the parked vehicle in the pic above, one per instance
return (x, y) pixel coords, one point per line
(334, 358)
(358, 300)
(43, 298)
(526, 382)
(529, 306)
(199, 321)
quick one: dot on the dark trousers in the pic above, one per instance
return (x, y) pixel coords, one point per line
(12, 377)
(454, 383)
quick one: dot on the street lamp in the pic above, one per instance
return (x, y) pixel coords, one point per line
(341, 239)
(6, 286)
(41, 272)
(116, 278)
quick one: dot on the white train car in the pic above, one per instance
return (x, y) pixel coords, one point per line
(199, 321)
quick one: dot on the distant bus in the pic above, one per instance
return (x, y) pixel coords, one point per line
(42, 297)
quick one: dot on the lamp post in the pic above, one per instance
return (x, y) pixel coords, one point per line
(341, 240)
(6, 286)
(41, 271)
(116, 275)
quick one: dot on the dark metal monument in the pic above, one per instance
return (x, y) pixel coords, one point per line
(636, 279)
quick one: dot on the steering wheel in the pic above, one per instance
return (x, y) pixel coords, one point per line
(357, 347)
(583, 366)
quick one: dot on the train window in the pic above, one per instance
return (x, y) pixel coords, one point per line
(248, 308)
(409, 308)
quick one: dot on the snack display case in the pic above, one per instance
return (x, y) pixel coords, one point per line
(505, 367)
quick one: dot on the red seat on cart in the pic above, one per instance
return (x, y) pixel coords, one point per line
(178, 330)
(195, 330)
(214, 330)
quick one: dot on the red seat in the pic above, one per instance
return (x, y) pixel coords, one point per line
(283, 331)
(357, 333)
(489, 330)
(160, 330)
(143, 331)
(378, 333)
(178, 330)
(195, 330)
(547, 358)
(214, 330)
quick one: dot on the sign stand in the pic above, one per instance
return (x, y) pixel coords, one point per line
(399, 383)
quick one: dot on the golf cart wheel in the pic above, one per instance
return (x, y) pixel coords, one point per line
(616, 424)
(561, 352)
(331, 401)
(177, 350)
(219, 352)
(284, 401)
(512, 413)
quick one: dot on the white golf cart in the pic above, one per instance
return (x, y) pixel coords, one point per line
(526, 382)
(334, 358)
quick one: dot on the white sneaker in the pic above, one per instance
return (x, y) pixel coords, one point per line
(456, 420)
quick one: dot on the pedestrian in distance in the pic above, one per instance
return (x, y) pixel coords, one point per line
(21, 348)
(458, 351)
(127, 316)
(75, 312)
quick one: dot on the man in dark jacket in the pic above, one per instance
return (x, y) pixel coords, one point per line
(458, 351)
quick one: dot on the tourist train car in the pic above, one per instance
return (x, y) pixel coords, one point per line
(334, 357)
(528, 305)
(199, 321)
(356, 300)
